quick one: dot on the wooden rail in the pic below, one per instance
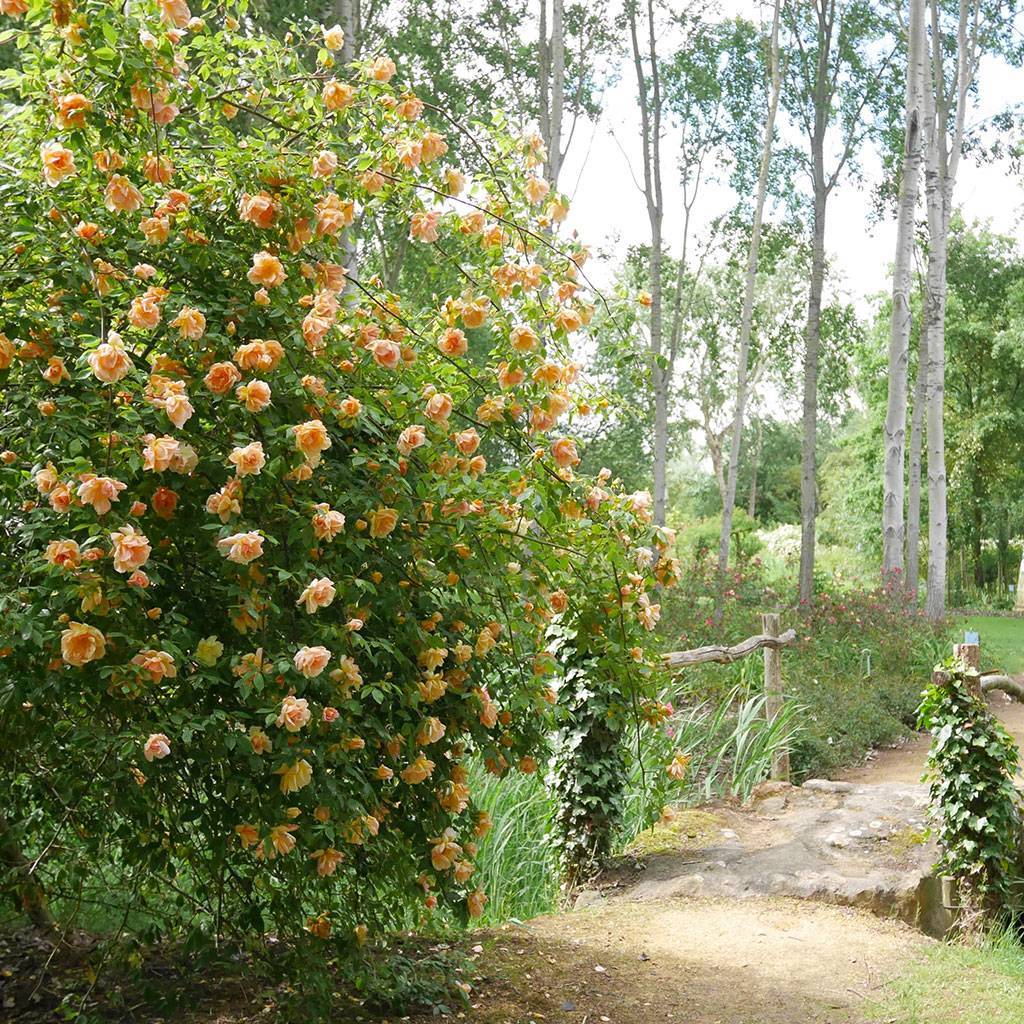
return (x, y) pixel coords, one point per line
(727, 655)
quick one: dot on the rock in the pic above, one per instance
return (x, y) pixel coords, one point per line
(832, 842)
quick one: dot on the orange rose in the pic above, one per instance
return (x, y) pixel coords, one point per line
(311, 439)
(131, 549)
(58, 163)
(418, 771)
(99, 491)
(71, 110)
(439, 408)
(63, 553)
(158, 169)
(156, 664)
(191, 323)
(327, 523)
(144, 313)
(248, 460)
(159, 453)
(319, 593)
(311, 661)
(175, 12)
(337, 95)
(267, 270)
(386, 353)
(327, 861)
(383, 521)
(325, 163)
(157, 746)
(260, 209)
(165, 501)
(453, 343)
(255, 395)
(563, 451)
(109, 362)
(242, 547)
(410, 439)
(81, 643)
(221, 377)
(121, 196)
(445, 850)
(295, 777)
(294, 713)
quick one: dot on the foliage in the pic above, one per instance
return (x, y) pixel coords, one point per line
(262, 600)
(976, 808)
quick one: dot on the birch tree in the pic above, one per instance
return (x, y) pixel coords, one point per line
(945, 104)
(649, 96)
(746, 316)
(894, 431)
(838, 82)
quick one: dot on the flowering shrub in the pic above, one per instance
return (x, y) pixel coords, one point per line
(281, 546)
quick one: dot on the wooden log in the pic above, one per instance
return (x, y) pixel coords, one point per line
(997, 681)
(726, 655)
(773, 695)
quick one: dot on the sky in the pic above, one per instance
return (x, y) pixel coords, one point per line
(609, 210)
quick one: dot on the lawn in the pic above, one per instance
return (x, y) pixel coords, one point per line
(1002, 641)
(959, 985)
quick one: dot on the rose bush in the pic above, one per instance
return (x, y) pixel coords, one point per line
(281, 546)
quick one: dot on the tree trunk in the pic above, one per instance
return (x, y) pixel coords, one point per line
(346, 13)
(746, 319)
(913, 557)
(557, 52)
(755, 462)
(649, 96)
(812, 353)
(894, 431)
(934, 315)
(30, 899)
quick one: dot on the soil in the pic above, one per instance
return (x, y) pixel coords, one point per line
(758, 961)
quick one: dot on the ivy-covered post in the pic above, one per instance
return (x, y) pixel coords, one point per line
(589, 768)
(975, 805)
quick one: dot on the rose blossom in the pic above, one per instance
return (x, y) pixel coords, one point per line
(267, 270)
(319, 593)
(249, 460)
(157, 746)
(81, 643)
(410, 439)
(311, 439)
(131, 549)
(294, 713)
(108, 361)
(221, 377)
(242, 547)
(99, 491)
(311, 661)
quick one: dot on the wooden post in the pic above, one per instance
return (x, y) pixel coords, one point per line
(969, 654)
(773, 691)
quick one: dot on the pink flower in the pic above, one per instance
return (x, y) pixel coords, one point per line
(331, 715)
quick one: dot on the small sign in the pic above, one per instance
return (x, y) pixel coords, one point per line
(970, 637)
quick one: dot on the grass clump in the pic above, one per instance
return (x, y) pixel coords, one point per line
(957, 984)
(683, 831)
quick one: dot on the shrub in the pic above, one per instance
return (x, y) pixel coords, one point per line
(280, 545)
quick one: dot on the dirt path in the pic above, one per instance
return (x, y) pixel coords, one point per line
(696, 962)
(693, 937)
(905, 761)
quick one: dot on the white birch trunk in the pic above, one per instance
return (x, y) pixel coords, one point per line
(894, 430)
(747, 314)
